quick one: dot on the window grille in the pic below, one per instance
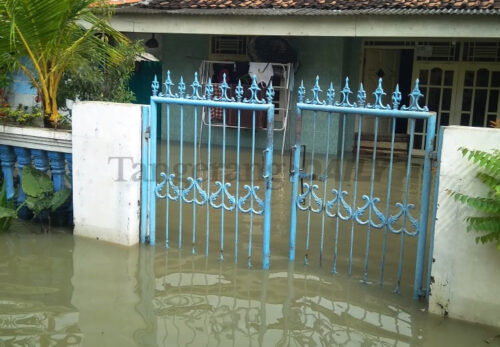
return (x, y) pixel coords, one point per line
(481, 51)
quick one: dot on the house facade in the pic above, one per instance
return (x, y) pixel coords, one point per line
(452, 47)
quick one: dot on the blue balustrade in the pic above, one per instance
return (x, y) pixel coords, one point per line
(14, 159)
(23, 159)
(8, 159)
(57, 168)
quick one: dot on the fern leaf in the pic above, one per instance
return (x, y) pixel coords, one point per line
(481, 204)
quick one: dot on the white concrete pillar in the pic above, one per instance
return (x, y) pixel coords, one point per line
(466, 275)
(106, 171)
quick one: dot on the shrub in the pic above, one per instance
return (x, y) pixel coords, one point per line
(487, 225)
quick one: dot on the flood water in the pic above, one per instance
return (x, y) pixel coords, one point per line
(321, 240)
(61, 290)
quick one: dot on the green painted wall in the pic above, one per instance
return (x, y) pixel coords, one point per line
(353, 58)
(317, 57)
(330, 58)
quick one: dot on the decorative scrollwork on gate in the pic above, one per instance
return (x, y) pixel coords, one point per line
(222, 192)
(167, 183)
(405, 213)
(195, 187)
(339, 202)
(304, 204)
(252, 195)
(370, 205)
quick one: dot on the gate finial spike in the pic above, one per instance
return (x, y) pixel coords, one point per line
(155, 86)
(302, 92)
(239, 91)
(379, 93)
(182, 88)
(345, 95)
(209, 89)
(254, 88)
(361, 96)
(196, 88)
(316, 90)
(168, 86)
(396, 98)
(270, 93)
(330, 94)
(415, 95)
(224, 87)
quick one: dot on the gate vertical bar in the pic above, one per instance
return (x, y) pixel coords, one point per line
(388, 202)
(195, 176)
(295, 185)
(424, 209)
(145, 179)
(355, 193)
(237, 195)
(167, 202)
(152, 173)
(209, 147)
(341, 178)
(221, 257)
(268, 177)
(250, 233)
(181, 154)
(311, 169)
(406, 197)
(325, 188)
(372, 179)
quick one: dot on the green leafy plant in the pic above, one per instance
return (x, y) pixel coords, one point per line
(7, 210)
(488, 223)
(45, 38)
(40, 195)
(97, 82)
(21, 115)
(5, 80)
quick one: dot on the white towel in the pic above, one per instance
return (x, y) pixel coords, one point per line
(262, 71)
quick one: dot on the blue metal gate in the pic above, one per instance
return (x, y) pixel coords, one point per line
(204, 191)
(330, 199)
(331, 202)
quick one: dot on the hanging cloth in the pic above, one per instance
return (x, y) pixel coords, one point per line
(262, 71)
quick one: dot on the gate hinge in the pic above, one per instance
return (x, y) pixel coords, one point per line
(147, 133)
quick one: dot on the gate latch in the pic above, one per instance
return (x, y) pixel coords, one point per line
(434, 159)
(147, 133)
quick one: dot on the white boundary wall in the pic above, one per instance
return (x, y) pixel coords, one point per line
(466, 275)
(106, 171)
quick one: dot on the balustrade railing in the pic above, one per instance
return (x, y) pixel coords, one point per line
(13, 159)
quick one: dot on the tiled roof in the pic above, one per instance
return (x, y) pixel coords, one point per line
(332, 5)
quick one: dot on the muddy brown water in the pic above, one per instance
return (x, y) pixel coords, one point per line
(61, 290)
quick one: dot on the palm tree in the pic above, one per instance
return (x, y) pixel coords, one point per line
(44, 38)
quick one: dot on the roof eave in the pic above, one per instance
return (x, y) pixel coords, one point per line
(302, 12)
